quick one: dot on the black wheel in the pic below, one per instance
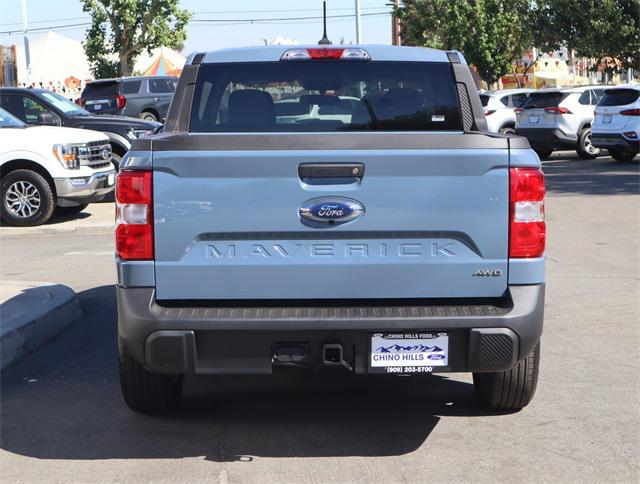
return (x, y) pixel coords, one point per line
(620, 155)
(145, 391)
(511, 389)
(71, 210)
(585, 149)
(27, 199)
(543, 153)
(148, 116)
(508, 130)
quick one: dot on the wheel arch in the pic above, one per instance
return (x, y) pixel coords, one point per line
(151, 109)
(25, 164)
(118, 141)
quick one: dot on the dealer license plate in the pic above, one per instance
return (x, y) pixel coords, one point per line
(606, 119)
(534, 119)
(416, 352)
(97, 107)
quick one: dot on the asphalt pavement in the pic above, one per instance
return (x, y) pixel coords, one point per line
(62, 417)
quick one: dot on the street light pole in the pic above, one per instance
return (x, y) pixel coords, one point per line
(26, 43)
(358, 24)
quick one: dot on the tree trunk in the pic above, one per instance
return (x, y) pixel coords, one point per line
(124, 64)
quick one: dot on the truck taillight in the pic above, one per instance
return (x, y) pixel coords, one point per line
(527, 229)
(121, 101)
(134, 215)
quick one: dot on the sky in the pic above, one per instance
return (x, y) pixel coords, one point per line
(235, 31)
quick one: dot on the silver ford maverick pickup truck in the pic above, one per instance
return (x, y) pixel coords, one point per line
(330, 208)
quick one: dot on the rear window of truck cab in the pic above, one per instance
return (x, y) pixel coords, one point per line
(327, 95)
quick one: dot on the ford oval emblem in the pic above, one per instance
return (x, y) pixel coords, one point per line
(331, 210)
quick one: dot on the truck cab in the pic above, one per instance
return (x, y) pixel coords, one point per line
(400, 238)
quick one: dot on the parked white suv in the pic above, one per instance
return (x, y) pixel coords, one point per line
(560, 118)
(499, 108)
(616, 126)
(44, 167)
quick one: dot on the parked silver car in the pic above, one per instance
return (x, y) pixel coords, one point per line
(617, 123)
(560, 118)
(499, 108)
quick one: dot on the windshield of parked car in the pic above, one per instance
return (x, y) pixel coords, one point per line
(325, 96)
(64, 104)
(9, 120)
(544, 100)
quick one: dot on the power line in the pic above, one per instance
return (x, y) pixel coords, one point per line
(208, 12)
(287, 19)
(41, 29)
(211, 21)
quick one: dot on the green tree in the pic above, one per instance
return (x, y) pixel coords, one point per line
(490, 33)
(595, 28)
(122, 29)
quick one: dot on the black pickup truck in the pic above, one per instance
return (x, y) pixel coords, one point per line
(46, 108)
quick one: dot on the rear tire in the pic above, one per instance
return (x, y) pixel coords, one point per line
(27, 199)
(620, 155)
(145, 391)
(508, 130)
(585, 149)
(511, 389)
(71, 210)
(543, 153)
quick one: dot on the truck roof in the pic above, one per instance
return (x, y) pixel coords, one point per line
(273, 53)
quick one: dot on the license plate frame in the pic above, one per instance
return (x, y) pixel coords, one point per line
(409, 361)
(534, 119)
(606, 119)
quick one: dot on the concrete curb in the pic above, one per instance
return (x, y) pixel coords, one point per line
(31, 314)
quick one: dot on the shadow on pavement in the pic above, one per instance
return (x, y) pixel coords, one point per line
(602, 176)
(63, 402)
(59, 218)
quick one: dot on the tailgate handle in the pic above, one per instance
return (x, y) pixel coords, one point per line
(346, 172)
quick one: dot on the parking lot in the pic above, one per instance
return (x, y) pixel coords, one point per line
(63, 418)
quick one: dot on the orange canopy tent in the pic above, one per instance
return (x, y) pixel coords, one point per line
(161, 62)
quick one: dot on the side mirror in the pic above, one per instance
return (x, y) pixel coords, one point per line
(48, 119)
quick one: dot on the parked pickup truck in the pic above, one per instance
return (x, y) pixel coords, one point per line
(43, 169)
(405, 240)
(39, 107)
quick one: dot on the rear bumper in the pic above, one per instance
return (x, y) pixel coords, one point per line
(615, 141)
(547, 137)
(483, 336)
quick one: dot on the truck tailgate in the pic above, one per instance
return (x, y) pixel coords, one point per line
(435, 224)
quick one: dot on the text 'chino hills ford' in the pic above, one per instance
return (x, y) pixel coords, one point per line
(385, 231)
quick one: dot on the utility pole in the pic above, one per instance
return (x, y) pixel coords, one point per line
(26, 43)
(358, 24)
(395, 25)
